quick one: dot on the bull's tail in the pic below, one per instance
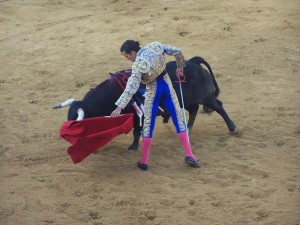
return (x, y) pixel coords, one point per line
(64, 104)
(199, 60)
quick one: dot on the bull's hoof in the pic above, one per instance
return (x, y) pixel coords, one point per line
(206, 110)
(166, 120)
(237, 132)
(132, 148)
(192, 162)
(142, 166)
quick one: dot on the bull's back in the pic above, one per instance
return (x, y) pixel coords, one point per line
(199, 85)
(100, 100)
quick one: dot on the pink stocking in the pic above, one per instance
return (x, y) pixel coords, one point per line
(146, 146)
(183, 136)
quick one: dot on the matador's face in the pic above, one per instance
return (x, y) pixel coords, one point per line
(130, 56)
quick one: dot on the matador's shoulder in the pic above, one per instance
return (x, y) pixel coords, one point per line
(156, 47)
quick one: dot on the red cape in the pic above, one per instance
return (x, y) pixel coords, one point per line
(88, 135)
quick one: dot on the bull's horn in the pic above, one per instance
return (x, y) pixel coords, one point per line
(65, 103)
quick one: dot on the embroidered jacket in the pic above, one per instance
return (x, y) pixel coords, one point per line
(148, 65)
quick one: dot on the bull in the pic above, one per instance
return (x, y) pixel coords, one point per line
(200, 88)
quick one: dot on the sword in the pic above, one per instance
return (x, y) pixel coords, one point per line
(181, 79)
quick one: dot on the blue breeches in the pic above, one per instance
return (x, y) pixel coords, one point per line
(161, 89)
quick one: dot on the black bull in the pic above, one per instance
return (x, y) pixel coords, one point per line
(200, 88)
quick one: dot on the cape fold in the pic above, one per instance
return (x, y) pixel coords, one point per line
(88, 135)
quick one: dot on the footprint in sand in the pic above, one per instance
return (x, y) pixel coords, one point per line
(95, 215)
(150, 215)
(293, 188)
(192, 202)
(183, 33)
(260, 40)
(61, 208)
(261, 215)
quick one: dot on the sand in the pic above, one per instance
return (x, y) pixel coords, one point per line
(53, 50)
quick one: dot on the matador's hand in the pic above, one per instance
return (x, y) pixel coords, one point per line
(179, 72)
(116, 112)
(180, 75)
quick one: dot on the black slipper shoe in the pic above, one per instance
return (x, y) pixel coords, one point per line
(142, 166)
(192, 162)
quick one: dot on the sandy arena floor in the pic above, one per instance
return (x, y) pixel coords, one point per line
(52, 50)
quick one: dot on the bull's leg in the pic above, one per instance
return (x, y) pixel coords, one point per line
(166, 116)
(193, 110)
(217, 106)
(164, 113)
(136, 138)
(137, 130)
